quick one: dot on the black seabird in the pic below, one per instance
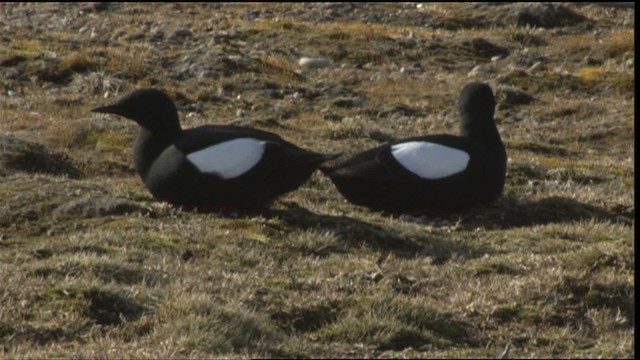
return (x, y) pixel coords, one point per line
(433, 174)
(211, 167)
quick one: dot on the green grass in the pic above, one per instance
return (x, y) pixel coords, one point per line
(93, 267)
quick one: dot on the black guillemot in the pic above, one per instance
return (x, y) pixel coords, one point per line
(433, 174)
(211, 167)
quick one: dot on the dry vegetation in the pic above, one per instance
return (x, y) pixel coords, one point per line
(92, 266)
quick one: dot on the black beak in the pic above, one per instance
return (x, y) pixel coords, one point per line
(109, 109)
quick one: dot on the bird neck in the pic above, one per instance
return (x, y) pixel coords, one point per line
(482, 130)
(148, 146)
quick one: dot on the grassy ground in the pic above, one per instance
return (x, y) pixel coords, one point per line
(92, 266)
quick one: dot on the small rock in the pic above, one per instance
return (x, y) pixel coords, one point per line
(257, 53)
(197, 106)
(511, 95)
(478, 70)
(484, 48)
(546, 15)
(344, 102)
(182, 33)
(96, 7)
(411, 69)
(295, 96)
(590, 61)
(187, 255)
(310, 63)
(629, 65)
(375, 276)
(537, 67)
(224, 36)
(496, 58)
(101, 5)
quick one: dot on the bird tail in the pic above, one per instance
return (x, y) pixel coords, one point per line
(333, 156)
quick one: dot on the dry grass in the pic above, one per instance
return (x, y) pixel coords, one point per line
(619, 42)
(93, 267)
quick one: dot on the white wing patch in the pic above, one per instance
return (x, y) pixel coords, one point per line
(430, 160)
(229, 159)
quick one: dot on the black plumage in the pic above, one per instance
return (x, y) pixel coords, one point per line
(376, 179)
(161, 158)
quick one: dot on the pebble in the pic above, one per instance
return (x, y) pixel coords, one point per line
(496, 58)
(590, 61)
(537, 67)
(410, 70)
(182, 33)
(478, 70)
(310, 63)
(511, 95)
(345, 102)
(225, 36)
(197, 106)
(629, 64)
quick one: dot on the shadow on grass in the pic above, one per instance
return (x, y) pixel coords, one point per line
(354, 234)
(508, 212)
(439, 243)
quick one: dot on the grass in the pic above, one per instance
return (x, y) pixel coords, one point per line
(93, 267)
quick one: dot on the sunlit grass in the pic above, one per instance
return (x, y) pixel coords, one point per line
(93, 267)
